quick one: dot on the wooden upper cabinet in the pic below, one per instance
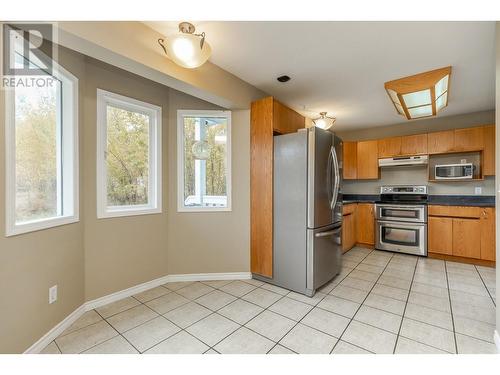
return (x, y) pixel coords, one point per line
(414, 144)
(286, 120)
(440, 142)
(469, 139)
(365, 223)
(389, 147)
(349, 160)
(489, 150)
(367, 160)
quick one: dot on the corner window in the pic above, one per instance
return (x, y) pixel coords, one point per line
(42, 152)
(128, 156)
(204, 160)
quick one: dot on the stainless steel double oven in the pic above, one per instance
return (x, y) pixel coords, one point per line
(401, 219)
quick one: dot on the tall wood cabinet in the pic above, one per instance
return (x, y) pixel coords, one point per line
(267, 117)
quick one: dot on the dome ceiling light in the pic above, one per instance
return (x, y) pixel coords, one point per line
(186, 48)
(420, 95)
(324, 121)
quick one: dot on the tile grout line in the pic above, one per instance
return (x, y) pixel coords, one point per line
(326, 294)
(451, 307)
(361, 304)
(487, 290)
(406, 304)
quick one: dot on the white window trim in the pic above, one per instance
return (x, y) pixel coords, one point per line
(69, 136)
(155, 128)
(180, 158)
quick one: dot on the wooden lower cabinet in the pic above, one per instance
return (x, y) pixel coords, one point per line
(466, 238)
(349, 227)
(440, 233)
(365, 223)
(466, 232)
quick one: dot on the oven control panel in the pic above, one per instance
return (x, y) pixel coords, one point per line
(403, 189)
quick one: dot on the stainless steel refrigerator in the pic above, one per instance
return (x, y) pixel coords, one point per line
(307, 209)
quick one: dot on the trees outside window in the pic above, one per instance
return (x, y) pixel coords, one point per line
(204, 168)
(129, 156)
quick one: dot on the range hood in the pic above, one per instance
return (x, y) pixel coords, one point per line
(403, 160)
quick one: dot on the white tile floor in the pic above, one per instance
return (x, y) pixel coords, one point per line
(379, 303)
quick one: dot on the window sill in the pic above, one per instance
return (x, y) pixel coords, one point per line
(200, 209)
(128, 212)
(40, 225)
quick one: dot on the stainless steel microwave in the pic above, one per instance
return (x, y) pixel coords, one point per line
(454, 171)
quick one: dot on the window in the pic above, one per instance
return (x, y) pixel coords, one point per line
(128, 156)
(204, 160)
(42, 151)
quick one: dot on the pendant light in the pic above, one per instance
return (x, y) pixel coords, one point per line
(186, 48)
(324, 121)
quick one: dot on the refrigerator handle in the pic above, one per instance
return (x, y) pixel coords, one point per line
(329, 178)
(336, 172)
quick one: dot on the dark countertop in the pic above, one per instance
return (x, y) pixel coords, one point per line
(442, 200)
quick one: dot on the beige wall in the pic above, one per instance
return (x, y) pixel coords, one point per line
(126, 251)
(96, 257)
(31, 263)
(212, 241)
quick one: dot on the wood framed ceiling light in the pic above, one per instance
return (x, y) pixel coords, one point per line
(420, 95)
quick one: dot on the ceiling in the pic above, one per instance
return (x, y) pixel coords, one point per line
(341, 67)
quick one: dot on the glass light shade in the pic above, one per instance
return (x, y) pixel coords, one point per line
(418, 98)
(423, 111)
(441, 86)
(324, 122)
(201, 150)
(442, 101)
(185, 50)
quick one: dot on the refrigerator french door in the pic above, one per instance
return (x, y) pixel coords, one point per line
(307, 209)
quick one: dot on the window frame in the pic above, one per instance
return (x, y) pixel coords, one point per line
(154, 206)
(70, 169)
(181, 114)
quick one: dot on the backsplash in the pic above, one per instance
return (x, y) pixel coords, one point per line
(417, 175)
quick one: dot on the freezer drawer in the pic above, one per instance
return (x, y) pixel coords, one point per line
(324, 249)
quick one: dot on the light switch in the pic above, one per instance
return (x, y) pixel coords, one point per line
(478, 190)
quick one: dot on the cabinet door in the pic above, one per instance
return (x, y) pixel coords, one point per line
(349, 162)
(367, 160)
(440, 231)
(414, 144)
(488, 234)
(286, 120)
(365, 223)
(389, 147)
(348, 232)
(467, 238)
(470, 139)
(440, 142)
(489, 150)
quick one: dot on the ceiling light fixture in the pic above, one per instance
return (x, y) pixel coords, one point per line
(324, 121)
(186, 48)
(420, 95)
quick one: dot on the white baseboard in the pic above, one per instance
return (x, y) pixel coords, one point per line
(496, 337)
(98, 302)
(210, 276)
(50, 336)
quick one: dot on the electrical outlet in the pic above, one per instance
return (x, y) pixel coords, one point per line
(478, 190)
(53, 294)
(463, 161)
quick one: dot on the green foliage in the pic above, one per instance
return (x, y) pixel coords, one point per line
(36, 154)
(127, 157)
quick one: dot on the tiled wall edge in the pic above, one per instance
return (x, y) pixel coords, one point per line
(98, 302)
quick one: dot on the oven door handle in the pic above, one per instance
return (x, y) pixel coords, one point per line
(412, 208)
(401, 224)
